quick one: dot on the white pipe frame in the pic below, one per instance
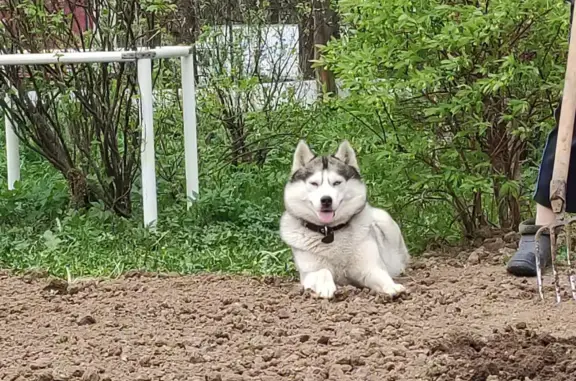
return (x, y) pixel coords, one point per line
(12, 150)
(143, 58)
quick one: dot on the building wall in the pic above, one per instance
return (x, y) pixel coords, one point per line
(82, 21)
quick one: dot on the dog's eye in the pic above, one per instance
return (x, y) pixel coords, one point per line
(314, 184)
(336, 183)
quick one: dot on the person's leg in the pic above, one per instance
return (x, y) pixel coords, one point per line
(523, 263)
(544, 215)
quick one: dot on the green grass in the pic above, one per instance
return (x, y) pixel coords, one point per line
(233, 227)
(221, 232)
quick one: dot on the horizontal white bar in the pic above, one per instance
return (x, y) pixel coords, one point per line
(53, 58)
(158, 48)
(93, 57)
(172, 51)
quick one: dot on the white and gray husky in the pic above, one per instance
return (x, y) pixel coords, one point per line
(335, 235)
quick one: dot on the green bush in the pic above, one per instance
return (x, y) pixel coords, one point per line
(461, 95)
(448, 107)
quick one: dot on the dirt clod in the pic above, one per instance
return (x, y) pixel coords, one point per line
(521, 325)
(41, 363)
(90, 375)
(57, 286)
(283, 314)
(45, 376)
(506, 357)
(473, 258)
(460, 322)
(86, 320)
(511, 237)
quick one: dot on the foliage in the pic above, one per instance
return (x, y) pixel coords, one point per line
(225, 231)
(82, 118)
(243, 70)
(448, 117)
(460, 93)
(232, 227)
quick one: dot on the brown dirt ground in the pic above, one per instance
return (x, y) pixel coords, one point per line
(464, 319)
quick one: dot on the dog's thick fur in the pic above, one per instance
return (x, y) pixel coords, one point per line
(366, 252)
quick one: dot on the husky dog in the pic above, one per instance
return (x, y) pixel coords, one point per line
(335, 235)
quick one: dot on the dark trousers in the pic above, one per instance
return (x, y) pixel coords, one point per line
(542, 193)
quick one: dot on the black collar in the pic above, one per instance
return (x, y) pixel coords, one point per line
(327, 231)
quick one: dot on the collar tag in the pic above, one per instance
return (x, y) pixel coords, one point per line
(329, 238)
(326, 231)
(328, 234)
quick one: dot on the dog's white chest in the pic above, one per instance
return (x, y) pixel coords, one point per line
(346, 254)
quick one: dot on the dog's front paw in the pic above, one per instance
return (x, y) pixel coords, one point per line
(321, 283)
(394, 289)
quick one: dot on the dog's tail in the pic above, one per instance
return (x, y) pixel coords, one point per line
(391, 245)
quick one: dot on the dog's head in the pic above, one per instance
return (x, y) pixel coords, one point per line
(325, 190)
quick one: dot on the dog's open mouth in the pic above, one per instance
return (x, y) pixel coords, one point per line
(326, 216)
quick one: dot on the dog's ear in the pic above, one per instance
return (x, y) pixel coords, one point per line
(346, 154)
(302, 156)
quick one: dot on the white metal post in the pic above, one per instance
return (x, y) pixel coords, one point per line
(143, 58)
(12, 148)
(190, 136)
(149, 198)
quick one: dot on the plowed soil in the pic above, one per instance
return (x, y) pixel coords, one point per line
(463, 319)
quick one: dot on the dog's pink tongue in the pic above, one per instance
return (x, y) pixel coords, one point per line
(326, 217)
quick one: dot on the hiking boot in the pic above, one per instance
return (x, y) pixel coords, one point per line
(523, 263)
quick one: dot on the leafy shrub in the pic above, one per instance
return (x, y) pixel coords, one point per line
(460, 94)
(83, 118)
(448, 117)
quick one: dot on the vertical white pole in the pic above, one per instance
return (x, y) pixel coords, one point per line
(12, 149)
(149, 197)
(190, 136)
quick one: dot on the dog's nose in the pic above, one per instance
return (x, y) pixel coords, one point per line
(326, 201)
